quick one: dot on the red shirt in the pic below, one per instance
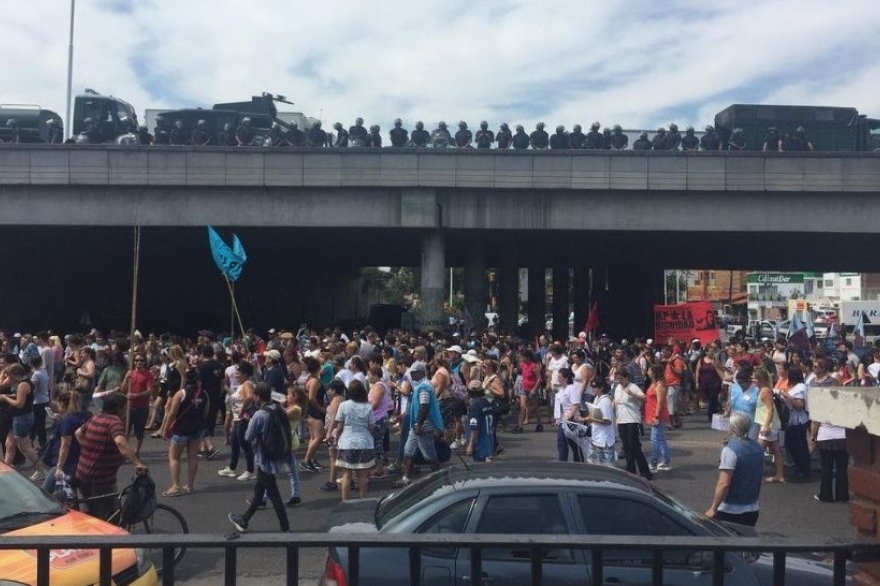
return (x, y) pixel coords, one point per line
(141, 381)
(529, 376)
(99, 458)
(651, 400)
(673, 379)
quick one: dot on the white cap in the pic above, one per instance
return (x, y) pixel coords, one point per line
(456, 348)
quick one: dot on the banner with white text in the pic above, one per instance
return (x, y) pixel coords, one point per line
(686, 321)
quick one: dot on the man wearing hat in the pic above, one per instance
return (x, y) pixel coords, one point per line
(274, 374)
(425, 420)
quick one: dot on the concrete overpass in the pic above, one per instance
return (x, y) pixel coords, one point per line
(627, 214)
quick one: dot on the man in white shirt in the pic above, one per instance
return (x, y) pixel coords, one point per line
(628, 400)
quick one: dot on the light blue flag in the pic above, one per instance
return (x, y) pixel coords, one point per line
(230, 261)
(808, 322)
(859, 331)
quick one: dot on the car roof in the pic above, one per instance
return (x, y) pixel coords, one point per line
(545, 474)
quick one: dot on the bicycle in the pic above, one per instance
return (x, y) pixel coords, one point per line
(163, 520)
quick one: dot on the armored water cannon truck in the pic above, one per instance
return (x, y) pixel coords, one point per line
(99, 119)
(32, 123)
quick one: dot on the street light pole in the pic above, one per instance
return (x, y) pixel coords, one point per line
(69, 126)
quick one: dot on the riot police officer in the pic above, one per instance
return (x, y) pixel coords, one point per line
(227, 136)
(375, 139)
(419, 137)
(520, 139)
(399, 135)
(342, 136)
(129, 137)
(658, 143)
(200, 136)
(619, 141)
(176, 135)
(737, 141)
(559, 139)
(275, 136)
(441, 138)
(673, 138)
(709, 141)
(464, 136)
(484, 137)
(594, 137)
(539, 138)
(577, 138)
(642, 143)
(160, 133)
(504, 137)
(771, 141)
(91, 132)
(316, 137)
(14, 131)
(606, 138)
(56, 133)
(295, 136)
(144, 136)
(358, 133)
(244, 134)
(799, 141)
(690, 142)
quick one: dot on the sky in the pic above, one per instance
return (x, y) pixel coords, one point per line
(639, 63)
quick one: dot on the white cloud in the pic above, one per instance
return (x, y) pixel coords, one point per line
(637, 62)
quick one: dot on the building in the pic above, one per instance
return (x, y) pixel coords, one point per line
(725, 289)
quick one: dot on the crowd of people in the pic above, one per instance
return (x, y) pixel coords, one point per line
(328, 403)
(245, 134)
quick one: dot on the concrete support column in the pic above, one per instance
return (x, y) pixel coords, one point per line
(560, 303)
(433, 281)
(476, 287)
(536, 300)
(581, 294)
(508, 296)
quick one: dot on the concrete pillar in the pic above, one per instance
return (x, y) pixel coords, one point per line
(508, 301)
(581, 294)
(536, 300)
(476, 287)
(560, 303)
(433, 281)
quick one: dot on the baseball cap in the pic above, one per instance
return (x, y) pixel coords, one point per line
(273, 354)
(456, 348)
(418, 366)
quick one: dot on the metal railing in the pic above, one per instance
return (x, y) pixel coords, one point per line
(842, 552)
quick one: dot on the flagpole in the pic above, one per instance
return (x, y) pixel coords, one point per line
(232, 315)
(134, 292)
(234, 304)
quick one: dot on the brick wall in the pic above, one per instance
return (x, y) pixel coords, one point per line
(864, 483)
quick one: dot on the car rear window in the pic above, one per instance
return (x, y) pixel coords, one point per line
(401, 501)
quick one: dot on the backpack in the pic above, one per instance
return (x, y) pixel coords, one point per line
(782, 409)
(138, 501)
(276, 439)
(456, 384)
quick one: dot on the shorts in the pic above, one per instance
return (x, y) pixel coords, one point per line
(672, 399)
(452, 410)
(22, 425)
(423, 443)
(182, 440)
(772, 436)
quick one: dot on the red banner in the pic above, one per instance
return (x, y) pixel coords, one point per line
(687, 321)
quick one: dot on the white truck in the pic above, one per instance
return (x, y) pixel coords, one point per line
(850, 312)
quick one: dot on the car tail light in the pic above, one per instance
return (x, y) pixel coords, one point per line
(333, 573)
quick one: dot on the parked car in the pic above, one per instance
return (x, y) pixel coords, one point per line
(555, 499)
(27, 511)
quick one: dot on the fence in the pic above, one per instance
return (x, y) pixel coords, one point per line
(718, 547)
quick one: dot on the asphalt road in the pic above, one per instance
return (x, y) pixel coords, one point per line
(786, 509)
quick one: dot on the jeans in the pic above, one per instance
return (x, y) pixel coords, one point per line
(240, 445)
(796, 444)
(293, 475)
(266, 485)
(659, 446)
(748, 519)
(563, 444)
(632, 448)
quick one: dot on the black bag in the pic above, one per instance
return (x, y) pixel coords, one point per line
(501, 406)
(138, 501)
(276, 439)
(782, 409)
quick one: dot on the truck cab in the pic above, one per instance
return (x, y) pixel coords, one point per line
(109, 115)
(33, 122)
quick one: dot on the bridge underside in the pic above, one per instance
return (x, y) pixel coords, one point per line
(53, 276)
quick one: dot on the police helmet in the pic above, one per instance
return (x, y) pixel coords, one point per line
(442, 124)
(374, 128)
(643, 135)
(539, 126)
(616, 128)
(484, 125)
(710, 129)
(463, 125)
(504, 126)
(81, 139)
(359, 122)
(398, 122)
(689, 130)
(577, 128)
(420, 125)
(519, 128)
(595, 126)
(560, 129)
(673, 127)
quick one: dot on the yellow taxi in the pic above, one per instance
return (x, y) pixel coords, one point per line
(25, 510)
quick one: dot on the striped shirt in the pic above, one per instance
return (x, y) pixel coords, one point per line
(99, 458)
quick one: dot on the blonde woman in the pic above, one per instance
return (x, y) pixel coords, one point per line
(768, 419)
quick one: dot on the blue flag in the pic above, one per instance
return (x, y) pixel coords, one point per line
(229, 260)
(808, 322)
(859, 331)
(797, 333)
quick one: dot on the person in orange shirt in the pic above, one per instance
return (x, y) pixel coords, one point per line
(673, 368)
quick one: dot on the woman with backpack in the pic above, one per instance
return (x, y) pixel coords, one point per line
(185, 426)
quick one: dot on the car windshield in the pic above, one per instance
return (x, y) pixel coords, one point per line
(398, 502)
(22, 500)
(707, 524)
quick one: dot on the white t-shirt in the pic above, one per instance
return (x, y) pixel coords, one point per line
(799, 391)
(346, 376)
(604, 435)
(627, 408)
(554, 365)
(565, 398)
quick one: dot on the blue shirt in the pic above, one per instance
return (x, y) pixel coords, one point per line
(256, 429)
(744, 401)
(481, 418)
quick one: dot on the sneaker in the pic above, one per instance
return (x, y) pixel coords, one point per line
(652, 467)
(37, 476)
(209, 455)
(330, 487)
(227, 472)
(262, 505)
(306, 467)
(294, 501)
(202, 454)
(456, 444)
(664, 467)
(317, 465)
(238, 522)
(393, 469)
(404, 481)
(246, 476)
